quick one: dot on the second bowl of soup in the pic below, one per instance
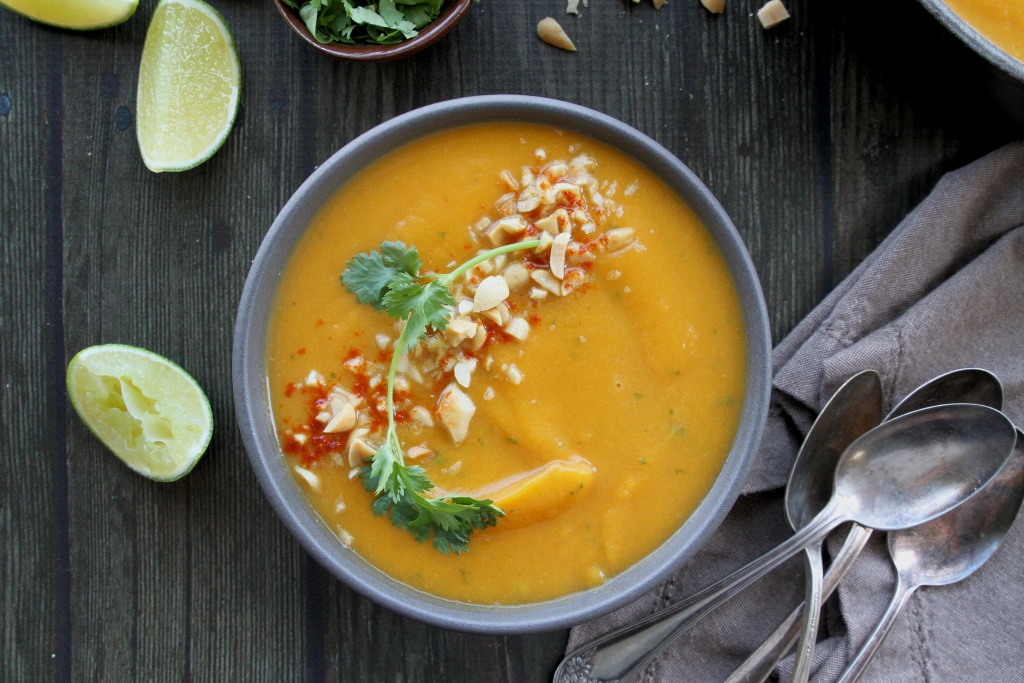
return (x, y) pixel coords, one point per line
(502, 364)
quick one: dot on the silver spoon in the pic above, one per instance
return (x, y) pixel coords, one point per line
(856, 407)
(948, 549)
(966, 385)
(900, 474)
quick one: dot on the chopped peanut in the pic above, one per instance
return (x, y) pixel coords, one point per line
(465, 306)
(620, 238)
(518, 328)
(529, 199)
(359, 450)
(455, 410)
(555, 222)
(479, 339)
(464, 371)
(537, 294)
(516, 275)
(343, 420)
(417, 452)
(574, 277)
(772, 14)
(506, 230)
(510, 182)
(546, 241)
(548, 281)
(308, 477)
(551, 32)
(459, 330)
(513, 374)
(421, 416)
(558, 247)
(491, 292)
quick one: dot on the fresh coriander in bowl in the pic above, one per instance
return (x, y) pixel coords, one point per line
(371, 30)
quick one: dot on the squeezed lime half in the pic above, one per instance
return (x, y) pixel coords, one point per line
(189, 85)
(143, 407)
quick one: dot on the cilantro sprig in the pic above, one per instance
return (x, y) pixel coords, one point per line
(366, 21)
(389, 280)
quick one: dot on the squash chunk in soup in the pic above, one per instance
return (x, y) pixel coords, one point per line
(593, 393)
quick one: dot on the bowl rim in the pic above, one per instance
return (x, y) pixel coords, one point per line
(433, 32)
(253, 405)
(975, 40)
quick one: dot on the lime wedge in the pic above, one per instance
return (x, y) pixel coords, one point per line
(189, 82)
(143, 407)
(81, 15)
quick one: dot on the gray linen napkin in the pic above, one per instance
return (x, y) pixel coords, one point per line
(945, 290)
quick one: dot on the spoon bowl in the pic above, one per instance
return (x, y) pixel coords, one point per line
(918, 466)
(966, 385)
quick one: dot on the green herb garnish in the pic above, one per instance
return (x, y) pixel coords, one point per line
(390, 281)
(353, 22)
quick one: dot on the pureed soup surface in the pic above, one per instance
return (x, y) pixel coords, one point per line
(630, 387)
(1001, 21)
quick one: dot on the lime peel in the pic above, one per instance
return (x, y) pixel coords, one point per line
(79, 15)
(145, 408)
(189, 86)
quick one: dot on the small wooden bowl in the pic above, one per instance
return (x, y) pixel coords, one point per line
(436, 30)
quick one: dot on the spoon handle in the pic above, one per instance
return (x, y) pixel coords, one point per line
(811, 612)
(856, 667)
(623, 653)
(760, 664)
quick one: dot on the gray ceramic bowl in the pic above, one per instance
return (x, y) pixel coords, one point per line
(1001, 75)
(995, 56)
(253, 405)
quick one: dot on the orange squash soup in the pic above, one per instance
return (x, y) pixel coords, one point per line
(1001, 21)
(590, 385)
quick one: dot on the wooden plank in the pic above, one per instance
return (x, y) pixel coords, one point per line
(34, 622)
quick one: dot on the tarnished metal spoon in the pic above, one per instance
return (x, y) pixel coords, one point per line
(893, 477)
(857, 406)
(948, 549)
(966, 385)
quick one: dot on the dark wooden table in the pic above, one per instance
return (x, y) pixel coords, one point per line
(817, 136)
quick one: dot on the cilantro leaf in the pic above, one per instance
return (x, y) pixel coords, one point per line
(420, 306)
(368, 276)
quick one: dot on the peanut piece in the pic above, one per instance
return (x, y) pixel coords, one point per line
(552, 33)
(772, 14)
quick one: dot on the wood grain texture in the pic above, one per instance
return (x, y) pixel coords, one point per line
(817, 137)
(34, 624)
